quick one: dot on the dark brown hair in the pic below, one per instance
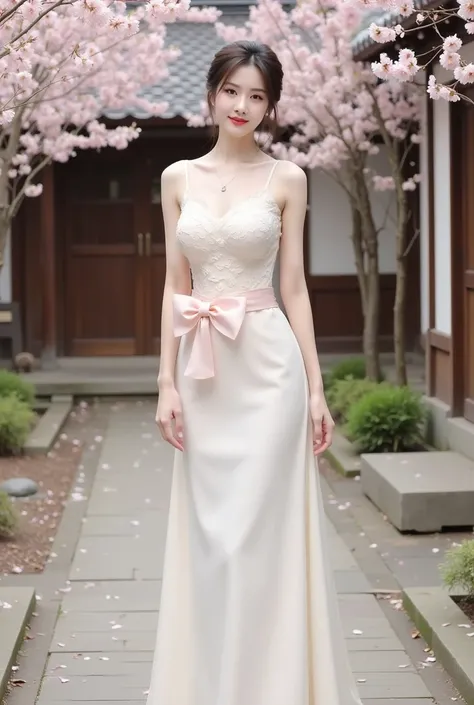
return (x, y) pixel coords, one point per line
(245, 53)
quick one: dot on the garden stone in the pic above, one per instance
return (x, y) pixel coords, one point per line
(424, 491)
(19, 487)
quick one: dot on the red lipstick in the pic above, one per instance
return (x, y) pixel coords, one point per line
(238, 121)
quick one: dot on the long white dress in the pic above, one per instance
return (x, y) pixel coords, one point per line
(248, 612)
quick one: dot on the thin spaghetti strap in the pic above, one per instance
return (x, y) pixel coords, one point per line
(271, 174)
(186, 171)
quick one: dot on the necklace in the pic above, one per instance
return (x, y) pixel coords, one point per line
(224, 186)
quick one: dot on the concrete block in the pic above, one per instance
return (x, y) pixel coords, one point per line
(436, 426)
(461, 436)
(48, 427)
(16, 606)
(437, 617)
(343, 456)
(423, 491)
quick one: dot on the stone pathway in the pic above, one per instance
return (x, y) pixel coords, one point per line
(102, 644)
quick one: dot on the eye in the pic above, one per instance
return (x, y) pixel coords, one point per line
(229, 90)
(257, 95)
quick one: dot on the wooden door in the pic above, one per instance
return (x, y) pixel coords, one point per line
(154, 158)
(104, 290)
(115, 245)
(466, 275)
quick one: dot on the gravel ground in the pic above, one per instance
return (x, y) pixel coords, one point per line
(39, 515)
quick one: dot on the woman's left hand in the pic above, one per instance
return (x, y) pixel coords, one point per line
(323, 424)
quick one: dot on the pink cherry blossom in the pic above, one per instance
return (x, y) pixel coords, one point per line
(62, 66)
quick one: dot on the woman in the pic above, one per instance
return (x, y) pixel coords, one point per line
(248, 611)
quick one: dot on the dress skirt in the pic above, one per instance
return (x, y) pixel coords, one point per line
(248, 612)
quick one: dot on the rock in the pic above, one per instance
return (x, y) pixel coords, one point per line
(19, 487)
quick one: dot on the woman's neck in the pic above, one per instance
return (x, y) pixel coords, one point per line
(230, 150)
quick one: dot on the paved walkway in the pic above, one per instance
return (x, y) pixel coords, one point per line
(102, 645)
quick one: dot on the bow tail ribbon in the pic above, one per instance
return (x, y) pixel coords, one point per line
(201, 360)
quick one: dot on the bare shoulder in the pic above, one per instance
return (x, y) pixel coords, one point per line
(291, 174)
(174, 173)
(173, 181)
(292, 186)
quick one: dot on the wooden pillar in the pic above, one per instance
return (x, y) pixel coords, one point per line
(48, 256)
(430, 360)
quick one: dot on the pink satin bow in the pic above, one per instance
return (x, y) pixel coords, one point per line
(226, 314)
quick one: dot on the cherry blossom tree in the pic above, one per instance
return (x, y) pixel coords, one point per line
(337, 115)
(446, 47)
(62, 65)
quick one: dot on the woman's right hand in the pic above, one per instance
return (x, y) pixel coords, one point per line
(169, 417)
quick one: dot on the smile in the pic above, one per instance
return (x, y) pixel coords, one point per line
(238, 121)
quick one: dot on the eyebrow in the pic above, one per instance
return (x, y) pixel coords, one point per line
(258, 90)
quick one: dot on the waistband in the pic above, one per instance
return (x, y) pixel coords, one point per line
(226, 313)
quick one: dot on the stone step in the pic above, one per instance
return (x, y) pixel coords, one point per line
(421, 491)
(16, 607)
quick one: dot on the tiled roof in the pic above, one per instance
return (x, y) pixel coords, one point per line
(185, 87)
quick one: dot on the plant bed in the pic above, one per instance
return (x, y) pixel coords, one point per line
(466, 605)
(445, 628)
(39, 515)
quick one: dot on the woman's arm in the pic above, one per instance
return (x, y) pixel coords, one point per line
(178, 277)
(169, 414)
(294, 294)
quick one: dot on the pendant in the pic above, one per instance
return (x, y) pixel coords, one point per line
(223, 189)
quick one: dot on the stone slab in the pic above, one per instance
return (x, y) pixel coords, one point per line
(430, 608)
(103, 641)
(351, 581)
(108, 596)
(380, 662)
(343, 456)
(117, 525)
(122, 688)
(100, 664)
(43, 436)
(425, 491)
(13, 623)
(391, 685)
(371, 627)
(393, 701)
(378, 644)
(71, 624)
(97, 558)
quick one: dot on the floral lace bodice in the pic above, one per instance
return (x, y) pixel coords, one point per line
(233, 253)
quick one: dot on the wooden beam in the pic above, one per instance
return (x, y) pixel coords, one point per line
(430, 360)
(48, 253)
(460, 143)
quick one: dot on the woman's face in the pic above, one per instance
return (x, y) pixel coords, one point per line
(241, 102)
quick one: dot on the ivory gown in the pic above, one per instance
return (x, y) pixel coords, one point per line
(248, 612)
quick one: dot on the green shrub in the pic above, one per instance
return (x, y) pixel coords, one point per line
(387, 419)
(8, 516)
(346, 392)
(16, 421)
(12, 383)
(351, 367)
(458, 567)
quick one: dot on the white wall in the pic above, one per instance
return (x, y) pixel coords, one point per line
(442, 215)
(6, 275)
(424, 223)
(331, 250)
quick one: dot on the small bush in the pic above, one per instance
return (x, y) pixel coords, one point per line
(458, 567)
(351, 367)
(16, 421)
(11, 383)
(8, 516)
(388, 419)
(345, 393)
